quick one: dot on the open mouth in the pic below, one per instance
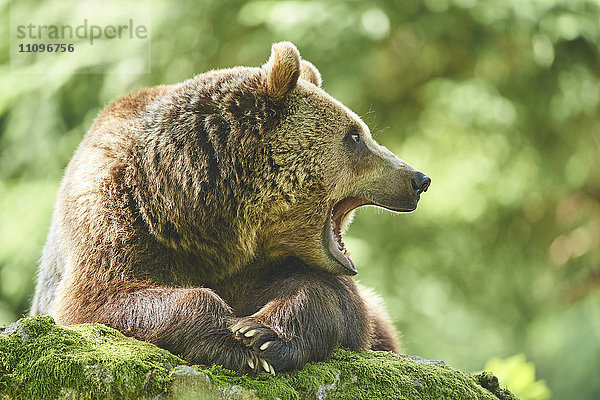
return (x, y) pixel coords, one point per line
(338, 218)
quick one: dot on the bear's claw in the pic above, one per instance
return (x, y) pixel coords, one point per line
(267, 367)
(253, 335)
(240, 327)
(259, 339)
(265, 345)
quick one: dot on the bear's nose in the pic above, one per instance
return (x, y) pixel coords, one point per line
(419, 183)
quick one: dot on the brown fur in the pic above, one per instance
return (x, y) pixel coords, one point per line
(192, 209)
(309, 73)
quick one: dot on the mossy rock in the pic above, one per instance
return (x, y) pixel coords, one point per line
(41, 360)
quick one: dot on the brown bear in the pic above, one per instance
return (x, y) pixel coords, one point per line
(206, 217)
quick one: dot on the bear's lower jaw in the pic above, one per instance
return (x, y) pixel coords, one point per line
(338, 250)
(338, 215)
(333, 231)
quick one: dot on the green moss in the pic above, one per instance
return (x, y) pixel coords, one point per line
(365, 375)
(490, 382)
(40, 360)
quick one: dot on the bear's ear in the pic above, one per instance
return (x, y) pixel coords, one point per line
(283, 69)
(310, 73)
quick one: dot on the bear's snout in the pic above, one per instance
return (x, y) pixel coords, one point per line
(419, 183)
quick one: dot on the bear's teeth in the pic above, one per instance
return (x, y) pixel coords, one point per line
(337, 236)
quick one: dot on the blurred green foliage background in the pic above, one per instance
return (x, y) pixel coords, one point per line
(497, 101)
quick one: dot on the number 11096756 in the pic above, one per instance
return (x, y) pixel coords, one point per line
(46, 48)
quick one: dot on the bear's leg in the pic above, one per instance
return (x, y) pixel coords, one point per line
(306, 315)
(385, 336)
(191, 322)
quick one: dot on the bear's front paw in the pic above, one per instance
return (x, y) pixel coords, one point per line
(263, 341)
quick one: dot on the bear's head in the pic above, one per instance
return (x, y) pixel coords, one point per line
(275, 170)
(329, 164)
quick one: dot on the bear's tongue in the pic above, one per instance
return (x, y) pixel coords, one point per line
(336, 246)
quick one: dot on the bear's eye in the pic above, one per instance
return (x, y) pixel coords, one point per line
(353, 135)
(354, 140)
